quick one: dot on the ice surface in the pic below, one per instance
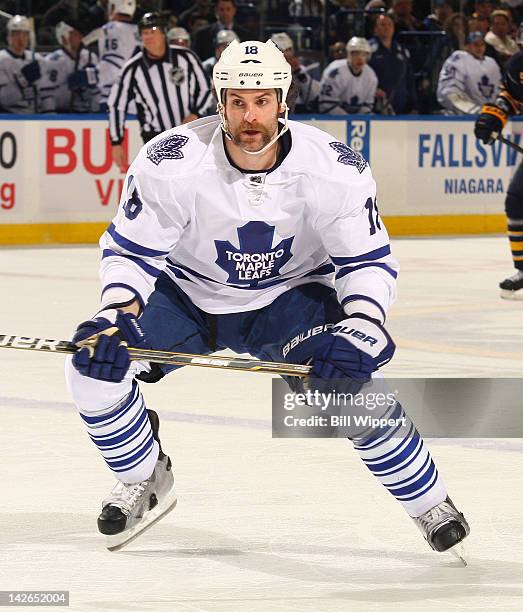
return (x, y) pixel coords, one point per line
(261, 524)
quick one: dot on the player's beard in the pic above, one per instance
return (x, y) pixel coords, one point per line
(255, 142)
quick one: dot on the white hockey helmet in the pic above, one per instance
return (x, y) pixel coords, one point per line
(62, 31)
(356, 43)
(19, 23)
(252, 65)
(124, 7)
(224, 37)
(283, 41)
(178, 34)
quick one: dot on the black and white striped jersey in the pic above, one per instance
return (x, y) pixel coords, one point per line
(165, 91)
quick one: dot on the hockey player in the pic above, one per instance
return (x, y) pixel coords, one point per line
(228, 234)
(349, 85)
(119, 42)
(180, 37)
(23, 85)
(468, 78)
(73, 71)
(489, 125)
(307, 87)
(223, 38)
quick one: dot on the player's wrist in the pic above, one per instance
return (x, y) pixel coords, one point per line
(497, 111)
(365, 306)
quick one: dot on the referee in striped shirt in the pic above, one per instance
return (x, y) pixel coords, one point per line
(168, 84)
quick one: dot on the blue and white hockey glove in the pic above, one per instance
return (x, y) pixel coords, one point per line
(30, 73)
(107, 358)
(354, 349)
(86, 77)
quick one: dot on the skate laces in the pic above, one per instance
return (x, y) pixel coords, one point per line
(125, 496)
(256, 190)
(437, 516)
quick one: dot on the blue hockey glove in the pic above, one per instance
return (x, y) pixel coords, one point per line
(354, 349)
(31, 72)
(108, 359)
(86, 77)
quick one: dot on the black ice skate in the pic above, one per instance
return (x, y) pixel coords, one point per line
(443, 527)
(130, 509)
(511, 287)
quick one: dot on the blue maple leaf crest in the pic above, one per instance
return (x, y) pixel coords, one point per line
(167, 148)
(486, 87)
(348, 156)
(256, 259)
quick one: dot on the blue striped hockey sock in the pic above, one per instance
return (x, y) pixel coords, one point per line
(124, 437)
(398, 458)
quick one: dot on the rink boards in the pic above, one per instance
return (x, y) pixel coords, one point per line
(58, 185)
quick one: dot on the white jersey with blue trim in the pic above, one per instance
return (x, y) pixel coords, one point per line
(234, 241)
(16, 94)
(466, 83)
(59, 66)
(344, 92)
(119, 42)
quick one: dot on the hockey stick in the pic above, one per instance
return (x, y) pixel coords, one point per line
(511, 144)
(165, 357)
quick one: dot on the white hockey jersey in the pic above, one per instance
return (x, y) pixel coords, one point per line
(466, 83)
(59, 66)
(118, 43)
(343, 92)
(308, 90)
(235, 241)
(18, 96)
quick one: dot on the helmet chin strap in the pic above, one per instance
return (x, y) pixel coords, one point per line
(228, 135)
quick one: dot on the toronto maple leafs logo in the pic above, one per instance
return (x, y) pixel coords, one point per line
(167, 148)
(348, 156)
(486, 87)
(256, 259)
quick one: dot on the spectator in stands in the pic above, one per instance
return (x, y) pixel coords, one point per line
(343, 23)
(201, 9)
(401, 13)
(483, 9)
(337, 51)
(391, 63)
(179, 36)
(349, 85)
(478, 24)
(500, 45)
(73, 71)
(203, 39)
(306, 8)
(196, 23)
(223, 38)
(468, 79)
(456, 30)
(373, 8)
(119, 42)
(24, 87)
(435, 22)
(96, 15)
(308, 87)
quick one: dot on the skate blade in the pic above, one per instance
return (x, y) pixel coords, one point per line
(119, 540)
(458, 551)
(516, 296)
